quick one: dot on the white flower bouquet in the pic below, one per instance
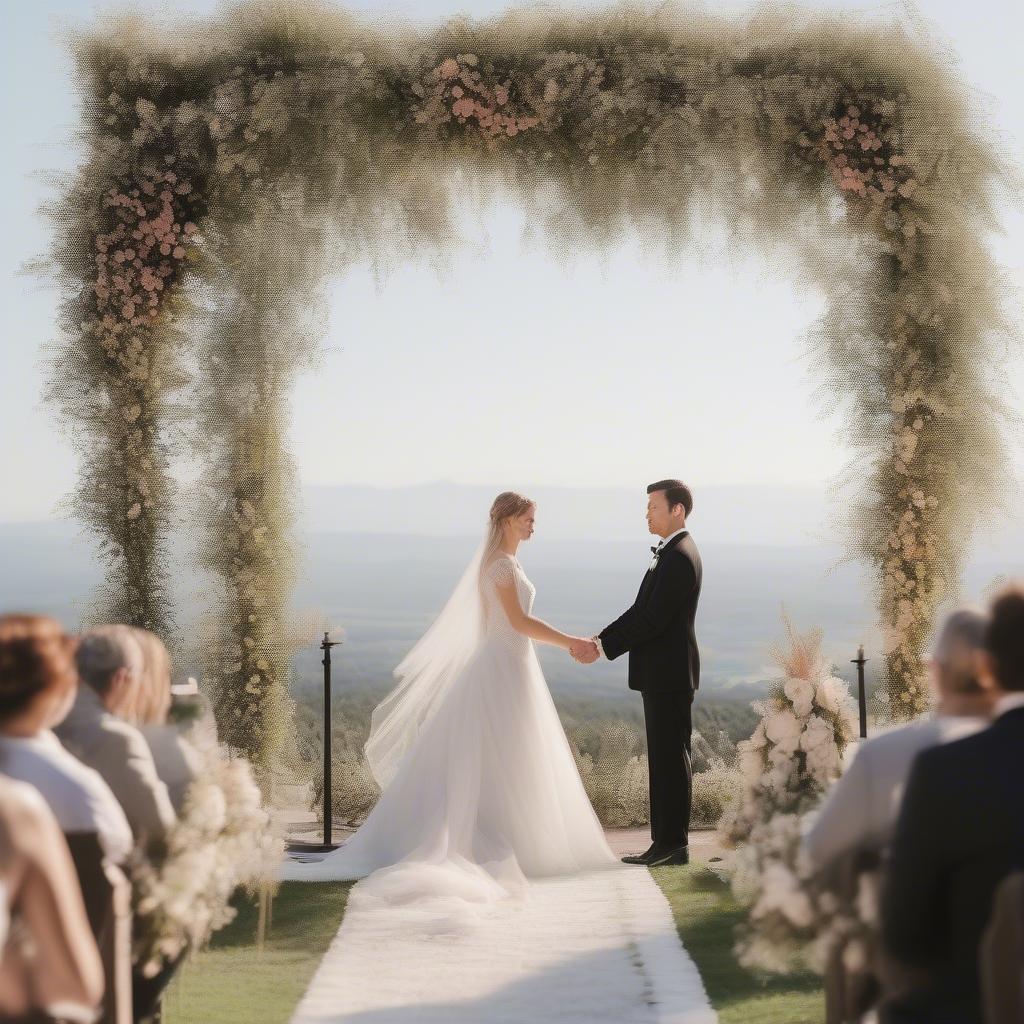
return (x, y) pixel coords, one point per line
(787, 765)
(224, 838)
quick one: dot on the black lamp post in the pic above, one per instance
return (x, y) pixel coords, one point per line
(860, 661)
(300, 846)
(326, 646)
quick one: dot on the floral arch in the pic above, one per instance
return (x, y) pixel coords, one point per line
(230, 164)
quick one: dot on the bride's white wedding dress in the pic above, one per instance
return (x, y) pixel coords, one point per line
(480, 788)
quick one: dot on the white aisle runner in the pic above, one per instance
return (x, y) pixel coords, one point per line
(592, 948)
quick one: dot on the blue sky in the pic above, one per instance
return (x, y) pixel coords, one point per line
(612, 371)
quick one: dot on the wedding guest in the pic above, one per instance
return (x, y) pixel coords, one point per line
(116, 687)
(49, 961)
(1002, 954)
(960, 833)
(861, 808)
(177, 762)
(37, 686)
(110, 668)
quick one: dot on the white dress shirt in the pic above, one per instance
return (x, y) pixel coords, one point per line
(78, 796)
(661, 544)
(1008, 702)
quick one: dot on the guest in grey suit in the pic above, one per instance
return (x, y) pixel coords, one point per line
(177, 761)
(861, 808)
(110, 666)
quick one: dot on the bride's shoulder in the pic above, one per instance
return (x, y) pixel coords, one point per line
(502, 567)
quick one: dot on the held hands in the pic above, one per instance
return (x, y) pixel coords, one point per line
(584, 651)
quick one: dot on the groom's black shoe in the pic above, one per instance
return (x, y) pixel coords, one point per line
(640, 858)
(680, 855)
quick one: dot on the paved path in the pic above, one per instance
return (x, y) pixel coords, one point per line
(598, 948)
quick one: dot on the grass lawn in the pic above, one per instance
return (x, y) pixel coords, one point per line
(232, 982)
(706, 916)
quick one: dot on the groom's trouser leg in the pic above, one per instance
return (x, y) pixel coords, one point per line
(653, 791)
(668, 722)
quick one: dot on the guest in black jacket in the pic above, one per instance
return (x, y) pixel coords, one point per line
(960, 832)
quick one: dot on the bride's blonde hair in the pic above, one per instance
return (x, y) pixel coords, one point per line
(505, 506)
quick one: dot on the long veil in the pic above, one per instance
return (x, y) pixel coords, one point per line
(427, 672)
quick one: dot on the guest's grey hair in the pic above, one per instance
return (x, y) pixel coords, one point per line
(102, 651)
(961, 636)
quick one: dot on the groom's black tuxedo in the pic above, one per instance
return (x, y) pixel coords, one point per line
(658, 630)
(664, 665)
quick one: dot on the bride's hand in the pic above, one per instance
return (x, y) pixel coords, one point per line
(583, 650)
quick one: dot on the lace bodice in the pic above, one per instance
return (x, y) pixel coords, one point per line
(504, 570)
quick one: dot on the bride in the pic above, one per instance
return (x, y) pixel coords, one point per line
(480, 791)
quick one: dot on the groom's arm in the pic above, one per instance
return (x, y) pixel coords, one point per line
(639, 624)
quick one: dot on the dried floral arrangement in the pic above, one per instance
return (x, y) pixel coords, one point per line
(793, 756)
(223, 839)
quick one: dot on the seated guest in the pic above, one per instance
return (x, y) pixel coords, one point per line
(49, 961)
(960, 832)
(37, 686)
(110, 670)
(860, 810)
(114, 686)
(176, 760)
(1002, 954)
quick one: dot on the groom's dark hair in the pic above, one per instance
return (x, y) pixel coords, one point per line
(676, 493)
(1004, 638)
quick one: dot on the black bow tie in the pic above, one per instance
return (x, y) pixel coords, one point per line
(656, 549)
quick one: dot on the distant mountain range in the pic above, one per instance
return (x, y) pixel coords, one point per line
(764, 515)
(381, 561)
(774, 515)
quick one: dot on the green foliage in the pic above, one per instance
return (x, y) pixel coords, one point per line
(716, 787)
(614, 772)
(608, 744)
(611, 755)
(735, 718)
(353, 787)
(234, 981)
(258, 336)
(707, 916)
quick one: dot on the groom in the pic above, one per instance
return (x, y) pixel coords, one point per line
(664, 665)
